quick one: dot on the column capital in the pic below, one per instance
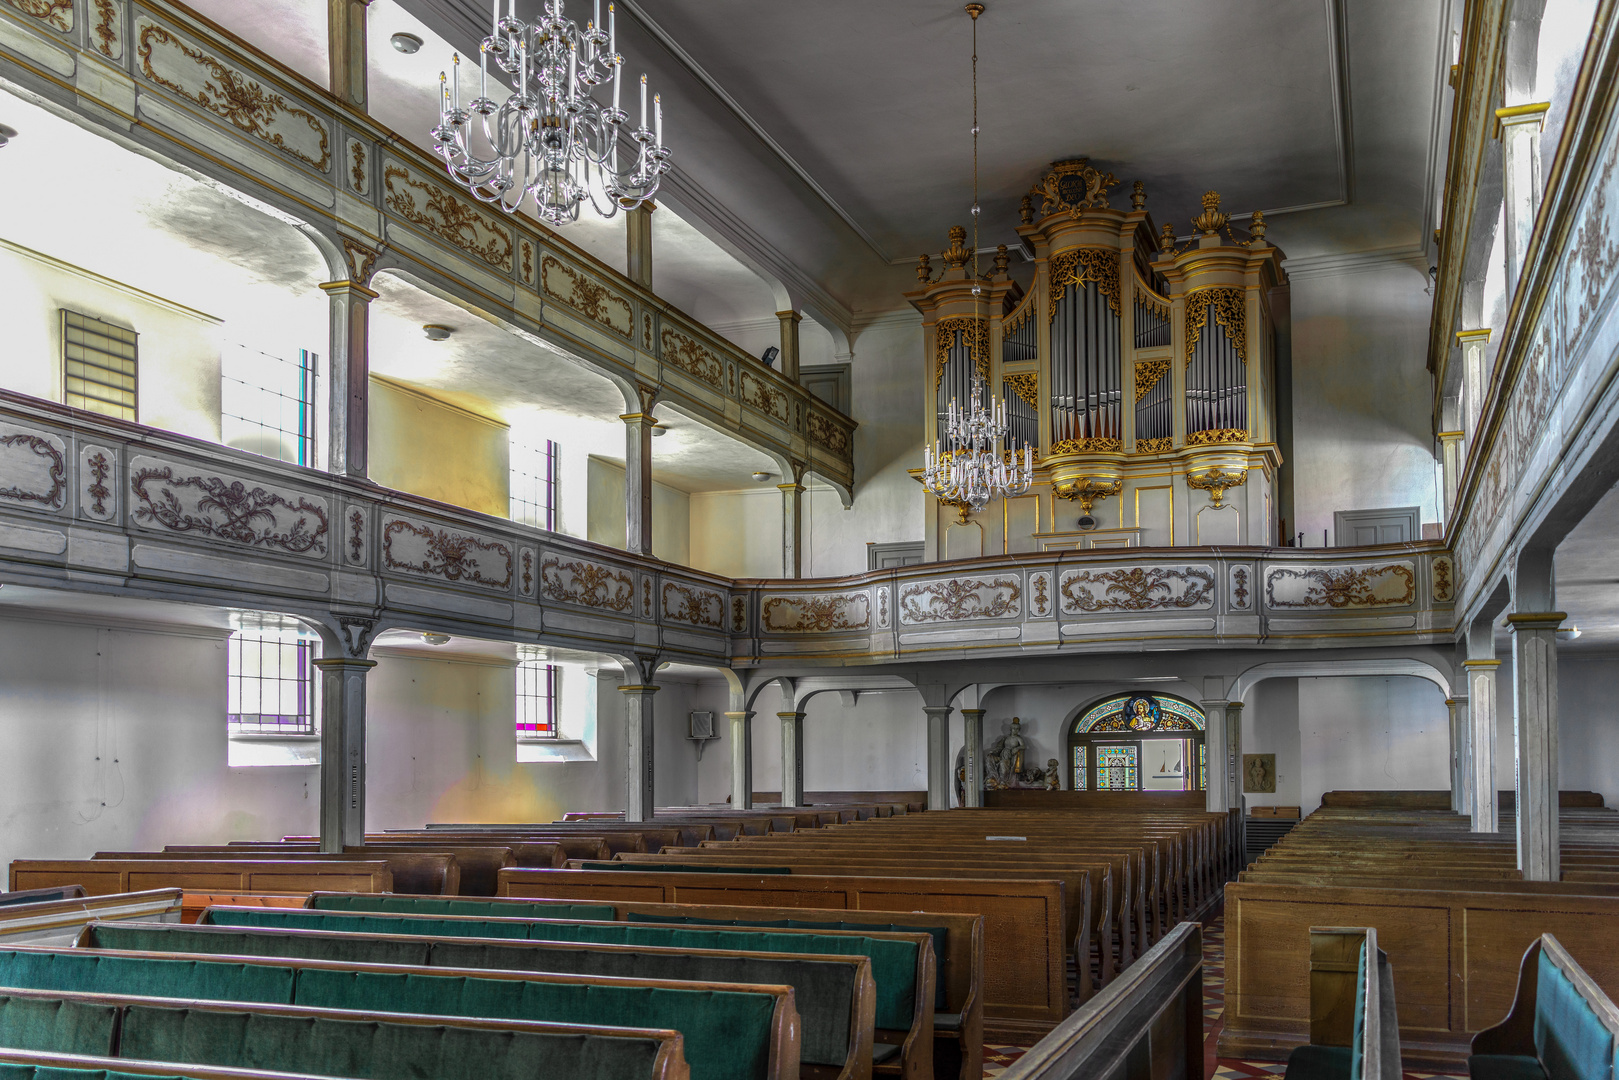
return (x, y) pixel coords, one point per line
(788, 715)
(1452, 436)
(1479, 335)
(1521, 115)
(791, 488)
(973, 712)
(629, 417)
(347, 286)
(1481, 665)
(938, 710)
(1535, 620)
(795, 316)
(344, 663)
(1233, 705)
(746, 714)
(639, 691)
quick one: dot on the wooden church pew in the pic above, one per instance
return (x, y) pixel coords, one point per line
(103, 876)
(425, 873)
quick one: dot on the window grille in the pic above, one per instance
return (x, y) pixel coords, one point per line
(534, 483)
(267, 403)
(270, 681)
(98, 366)
(537, 684)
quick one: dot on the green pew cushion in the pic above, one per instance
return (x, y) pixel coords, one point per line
(294, 919)
(1505, 1067)
(1311, 1062)
(939, 934)
(11, 1070)
(215, 980)
(67, 892)
(434, 905)
(823, 991)
(727, 1033)
(60, 1027)
(684, 868)
(176, 938)
(1571, 1042)
(376, 1050)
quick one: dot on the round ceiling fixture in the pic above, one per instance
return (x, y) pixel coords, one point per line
(406, 43)
(761, 476)
(436, 332)
(7, 133)
(436, 639)
(1568, 633)
(659, 429)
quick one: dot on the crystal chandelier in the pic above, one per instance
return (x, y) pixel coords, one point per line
(551, 138)
(973, 470)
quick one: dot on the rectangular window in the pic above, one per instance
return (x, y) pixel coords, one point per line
(536, 699)
(1116, 768)
(1081, 782)
(270, 680)
(534, 483)
(267, 404)
(98, 366)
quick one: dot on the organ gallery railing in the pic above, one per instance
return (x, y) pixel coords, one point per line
(1132, 363)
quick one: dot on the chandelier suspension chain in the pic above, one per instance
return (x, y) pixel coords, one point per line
(974, 470)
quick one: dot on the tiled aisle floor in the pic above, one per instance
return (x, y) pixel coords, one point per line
(997, 1058)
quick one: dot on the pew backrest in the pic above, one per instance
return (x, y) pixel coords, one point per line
(39, 1065)
(59, 922)
(104, 876)
(1559, 1016)
(420, 873)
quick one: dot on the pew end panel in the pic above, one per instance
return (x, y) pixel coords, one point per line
(58, 922)
(1560, 1020)
(1146, 1023)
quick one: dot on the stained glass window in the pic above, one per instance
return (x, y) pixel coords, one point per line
(1080, 781)
(1203, 766)
(1116, 768)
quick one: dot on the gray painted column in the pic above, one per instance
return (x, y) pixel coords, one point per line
(939, 764)
(349, 378)
(638, 481)
(741, 759)
(792, 525)
(638, 244)
(972, 723)
(787, 363)
(1481, 721)
(1534, 729)
(1461, 765)
(1451, 463)
(1217, 798)
(342, 752)
(346, 50)
(792, 758)
(639, 803)
(1520, 127)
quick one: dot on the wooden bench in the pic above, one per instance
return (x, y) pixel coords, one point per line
(1561, 1026)
(1025, 950)
(479, 865)
(59, 922)
(835, 995)
(343, 1042)
(1354, 1029)
(1147, 1023)
(957, 940)
(100, 877)
(731, 1031)
(421, 873)
(37, 1065)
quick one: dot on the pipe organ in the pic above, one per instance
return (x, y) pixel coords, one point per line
(1141, 370)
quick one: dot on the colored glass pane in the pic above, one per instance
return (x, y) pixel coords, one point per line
(1116, 768)
(1081, 782)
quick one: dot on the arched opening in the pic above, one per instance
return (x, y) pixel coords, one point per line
(1138, 742)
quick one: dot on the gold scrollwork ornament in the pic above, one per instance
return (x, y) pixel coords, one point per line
(1087, 490)
(1217, 482)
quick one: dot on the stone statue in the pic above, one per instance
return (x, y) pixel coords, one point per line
(1053, 778)
(1004, 762)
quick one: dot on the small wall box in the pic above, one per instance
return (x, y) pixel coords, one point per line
(1274, 812)
(702, 726)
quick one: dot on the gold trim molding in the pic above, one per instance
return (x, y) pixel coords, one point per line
(975, 335)
(1217, 437)
(1230, 312)
(1080, 265)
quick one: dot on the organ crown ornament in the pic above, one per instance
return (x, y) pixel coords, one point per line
(1211, 220)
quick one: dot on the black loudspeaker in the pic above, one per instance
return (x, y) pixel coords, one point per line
(1087, 523)
(769, 358)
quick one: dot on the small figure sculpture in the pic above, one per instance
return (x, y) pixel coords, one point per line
(1053, 778)
(1004, 762)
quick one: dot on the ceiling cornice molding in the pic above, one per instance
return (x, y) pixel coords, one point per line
(1353, 262)
(712, 85)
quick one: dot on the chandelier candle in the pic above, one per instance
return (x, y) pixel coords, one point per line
(551, 139)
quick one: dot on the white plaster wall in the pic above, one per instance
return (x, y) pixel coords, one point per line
(1270, 725)
(115, 740)
(177, 370)
(889, 380)
(1365, 734)
(739, 533)
(1587, 737)
(879, 744)
(1362, 438)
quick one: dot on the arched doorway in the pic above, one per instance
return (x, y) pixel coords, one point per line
(1137, 742)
